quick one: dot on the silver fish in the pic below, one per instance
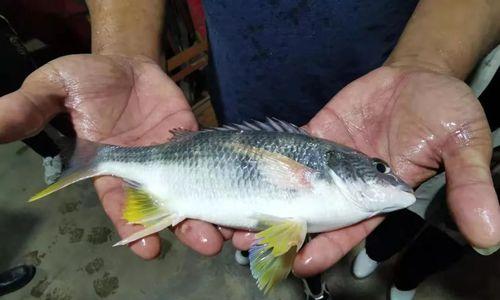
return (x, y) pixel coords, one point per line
(270, 177)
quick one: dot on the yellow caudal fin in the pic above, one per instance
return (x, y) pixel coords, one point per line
(271, 257)
(80, 160)
(141, 208)
(65, 180)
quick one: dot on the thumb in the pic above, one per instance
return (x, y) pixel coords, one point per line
(25, 112)
(471, 194)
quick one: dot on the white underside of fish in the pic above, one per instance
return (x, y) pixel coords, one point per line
(207, 195)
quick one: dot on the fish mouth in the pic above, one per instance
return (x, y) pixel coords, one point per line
(408, 198)
(404, 200)
(405, 188)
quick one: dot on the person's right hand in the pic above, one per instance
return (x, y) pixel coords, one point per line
(116, 100)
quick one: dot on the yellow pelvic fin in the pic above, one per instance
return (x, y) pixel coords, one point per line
(64, 182)
(271, 257)
(141, 208)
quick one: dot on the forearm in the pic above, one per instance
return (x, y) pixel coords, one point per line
(448, 36)
(127, 27)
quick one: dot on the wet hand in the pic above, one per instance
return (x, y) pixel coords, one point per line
(116, 100)
(417, 121)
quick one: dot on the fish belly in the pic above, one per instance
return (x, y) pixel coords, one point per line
(219, 198)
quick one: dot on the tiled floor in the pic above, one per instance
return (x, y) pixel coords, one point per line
(69, 238)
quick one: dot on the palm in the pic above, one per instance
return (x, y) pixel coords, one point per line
(121, 100)
(406, 118)
(127, 102)
(415, 121)
(111, 99)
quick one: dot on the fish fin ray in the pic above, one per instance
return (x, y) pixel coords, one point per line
(272, 255)
(177, 132)
(279, 169)
(64, 181)
(141, 208)
(131, 183)
(151, 228)
(270, 125)
(79, 167)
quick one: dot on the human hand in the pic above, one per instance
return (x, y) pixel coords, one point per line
(416, 120)
(111, 99)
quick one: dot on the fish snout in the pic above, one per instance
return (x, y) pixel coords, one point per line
(405, 188)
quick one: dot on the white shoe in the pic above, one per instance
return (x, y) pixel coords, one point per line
(241, 258)
(396, 294)
(324, 295)
(363, 266)
(52, 169)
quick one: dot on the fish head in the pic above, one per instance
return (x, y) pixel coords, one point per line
(369, 182)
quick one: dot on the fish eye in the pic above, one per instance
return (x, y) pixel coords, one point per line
(382, 167)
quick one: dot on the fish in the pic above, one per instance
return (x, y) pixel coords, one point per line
(271, 177)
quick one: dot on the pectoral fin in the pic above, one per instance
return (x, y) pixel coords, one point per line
(271, 257)
(277, 168)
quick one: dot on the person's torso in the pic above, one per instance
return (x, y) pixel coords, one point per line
(287, 58)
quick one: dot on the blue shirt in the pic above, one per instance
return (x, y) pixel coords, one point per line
(287, 58)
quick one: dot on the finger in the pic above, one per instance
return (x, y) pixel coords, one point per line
(26, 111)
(110, 191)
(327, 248)
(200, 236)
(227, 233)
(471, 195)
(243, 240)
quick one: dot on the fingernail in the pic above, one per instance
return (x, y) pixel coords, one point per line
(487, 251)
(185, 228)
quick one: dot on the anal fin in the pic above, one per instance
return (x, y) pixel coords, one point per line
(157, 226)
(272, 256)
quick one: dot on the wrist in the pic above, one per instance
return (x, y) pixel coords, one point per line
(127, 27)
(419, 62)
(436, 39)
(125, 50)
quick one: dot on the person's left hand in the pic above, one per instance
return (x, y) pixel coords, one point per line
(416, 120)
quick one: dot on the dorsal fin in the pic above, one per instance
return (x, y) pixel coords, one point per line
(179, 131)
(180, 134)
(270, 125)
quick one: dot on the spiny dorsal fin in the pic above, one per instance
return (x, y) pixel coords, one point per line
(180, 133)
(176, 132)
(270, 125)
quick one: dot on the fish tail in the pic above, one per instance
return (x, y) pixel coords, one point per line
(80, 165)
